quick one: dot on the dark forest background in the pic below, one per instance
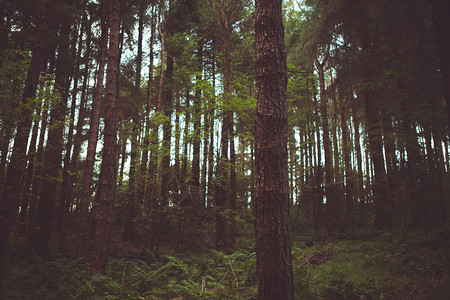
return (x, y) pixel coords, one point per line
(127, 131)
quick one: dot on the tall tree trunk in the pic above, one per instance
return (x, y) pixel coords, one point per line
(273, 243)
(53, 155)
(413, 166)
(391, 162)
(233, 192)
(195, 171)
(147, 139)
(128, 234)
(206, 121)
(187, 118)
(318, 194)
(330, 196)
(38, 172)
(25, 193)
(359, 186)
(17, 160)
(83, 216)
(109, 161)
(70, 162)
(444, 200)
(349, 202)
(376, 154)
(167, 133)
(222, 181)
(134, 173)
(211, 183)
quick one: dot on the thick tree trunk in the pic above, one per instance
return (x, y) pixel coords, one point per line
(53, 156)
(273, 243)
(83, 216)
(109, 162)
(17, 161)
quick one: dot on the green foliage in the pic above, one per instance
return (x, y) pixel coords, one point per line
(13, 66)
(212, 275)
(363, 265)
(384, 266)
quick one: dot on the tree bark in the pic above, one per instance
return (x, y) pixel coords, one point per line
(273, 243)
(195, 172)
(376, 154)
(331, 205)
(109, 161)
(83, 216)
(17, 160)
(53, 156)
(359, 185)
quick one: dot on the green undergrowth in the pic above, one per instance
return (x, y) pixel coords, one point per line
(369, 265)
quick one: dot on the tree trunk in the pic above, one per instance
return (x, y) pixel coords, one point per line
(331, 204)
(128, 234)
(17, 160)
(227, 123)
(376, 154)
(359, 186)
(211, 183)
(273, 243)
(83, 216)
(195, 171)
(233, 192)
(167, 133)
(109, 162)
(25, 193)
(53, 155)
(348, 169)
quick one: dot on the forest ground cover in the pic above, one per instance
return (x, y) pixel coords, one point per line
(363, 264)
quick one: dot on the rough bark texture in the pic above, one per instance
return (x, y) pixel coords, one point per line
(109, 163)
(53, 156)
(92, 145)
(273, 244)
(8, 202)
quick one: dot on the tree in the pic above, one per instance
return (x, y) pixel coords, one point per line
(109, 161)
(17, 161)
(92, 138)
(273, 244)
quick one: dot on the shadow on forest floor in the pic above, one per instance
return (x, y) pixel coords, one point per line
(362, 265)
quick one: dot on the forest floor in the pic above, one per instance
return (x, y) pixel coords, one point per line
(365, 264)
